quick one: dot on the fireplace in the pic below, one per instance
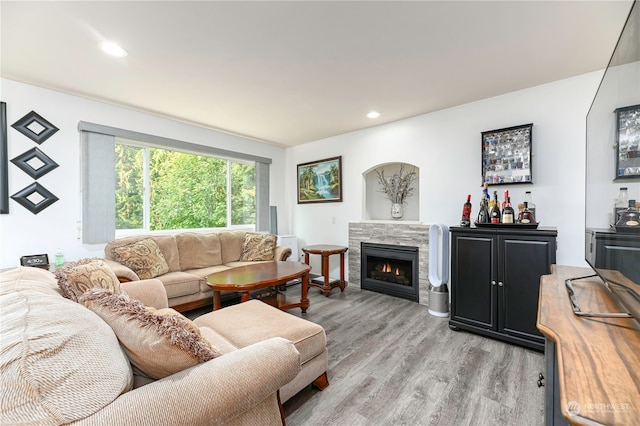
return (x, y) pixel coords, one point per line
(390, 269)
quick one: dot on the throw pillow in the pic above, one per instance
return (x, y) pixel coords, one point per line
(158, 343)
(258, 246)
(143, 257)
(75, 278)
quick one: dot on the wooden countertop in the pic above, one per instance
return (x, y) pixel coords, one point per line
(598, 358)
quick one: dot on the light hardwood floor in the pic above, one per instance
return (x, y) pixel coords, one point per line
(392, 363)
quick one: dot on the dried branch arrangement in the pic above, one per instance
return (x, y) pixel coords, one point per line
(399, 186)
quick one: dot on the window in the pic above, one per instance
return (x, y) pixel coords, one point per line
(160, 189)
(98, 180)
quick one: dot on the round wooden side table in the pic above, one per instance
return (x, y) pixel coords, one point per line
(326, 250)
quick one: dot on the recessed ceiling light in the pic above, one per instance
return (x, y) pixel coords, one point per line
(113, 49)
(373, 114)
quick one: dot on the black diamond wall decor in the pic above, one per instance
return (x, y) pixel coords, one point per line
(35, 127)
(35, 163)
(35, 198)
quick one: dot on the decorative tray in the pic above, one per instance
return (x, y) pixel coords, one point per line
(507, 225)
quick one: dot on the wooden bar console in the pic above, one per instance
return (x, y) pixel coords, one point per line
(593, 363)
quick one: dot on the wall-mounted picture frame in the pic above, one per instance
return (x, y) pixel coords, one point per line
(39, 168)
(34, 198)
(628, 142)
(4, 161)
(506, 155)
(320, 181)
(35, 127)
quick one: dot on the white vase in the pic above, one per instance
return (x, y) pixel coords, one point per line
(396, 210)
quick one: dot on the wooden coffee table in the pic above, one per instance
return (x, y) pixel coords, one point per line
(245, 279)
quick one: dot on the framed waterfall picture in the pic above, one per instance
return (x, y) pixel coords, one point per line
(320, 181)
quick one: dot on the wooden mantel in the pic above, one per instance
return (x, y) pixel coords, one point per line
(597, 359)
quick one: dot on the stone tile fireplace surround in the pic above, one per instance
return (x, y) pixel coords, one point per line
(388, 232)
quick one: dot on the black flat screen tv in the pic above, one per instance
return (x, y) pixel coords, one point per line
(613, 162)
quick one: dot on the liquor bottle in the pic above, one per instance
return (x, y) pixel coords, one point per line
(466, 213)
(507, 212)
(494, 213)
(530, 203)
(483, 215)
(526, 216)
(504, 201)
(629, 217)
(621, 204)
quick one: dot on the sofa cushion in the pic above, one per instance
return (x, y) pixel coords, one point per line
(75, 278)
(237, 324)
(203, 273)
(59, 362)
(144, 257)
(221, 344)
(179, 284)
(231, 244)
(29, 278)
(158, 342)
(169, 249)
(258, 246)
(198, 250)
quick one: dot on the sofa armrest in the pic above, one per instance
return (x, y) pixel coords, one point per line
(214, 392)
(282, 253)
(122, 272)
(150, 292)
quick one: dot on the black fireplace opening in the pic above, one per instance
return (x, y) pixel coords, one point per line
(390, 269)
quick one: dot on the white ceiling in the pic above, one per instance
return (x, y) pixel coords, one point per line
(296, 71)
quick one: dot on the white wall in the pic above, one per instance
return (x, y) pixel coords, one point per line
(446, 146)
(56, 227)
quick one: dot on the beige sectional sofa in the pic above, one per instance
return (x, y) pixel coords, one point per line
(190, 257)
(61, 362)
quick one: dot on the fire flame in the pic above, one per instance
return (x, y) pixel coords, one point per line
(387, 268)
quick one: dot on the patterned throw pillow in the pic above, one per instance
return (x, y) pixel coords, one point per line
(258, 247)
(158, 343)
(75, 278)
(143, 257)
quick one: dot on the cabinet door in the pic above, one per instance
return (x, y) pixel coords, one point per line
(621, 255)
(522, 260)
(472, 271)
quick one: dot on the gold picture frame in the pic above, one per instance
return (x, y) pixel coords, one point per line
(320, 181)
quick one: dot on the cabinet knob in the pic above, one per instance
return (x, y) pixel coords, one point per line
(540, 380)
(493, 282)
(500, 283)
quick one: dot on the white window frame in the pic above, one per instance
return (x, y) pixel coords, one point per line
(97, 189)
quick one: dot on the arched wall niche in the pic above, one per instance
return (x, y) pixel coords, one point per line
(377, 206)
